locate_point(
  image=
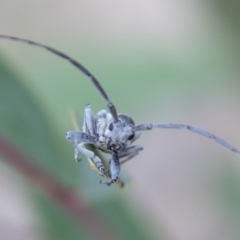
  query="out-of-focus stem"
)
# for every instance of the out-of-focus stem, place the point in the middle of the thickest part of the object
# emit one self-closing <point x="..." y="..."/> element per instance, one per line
<point x="71" y="201"/>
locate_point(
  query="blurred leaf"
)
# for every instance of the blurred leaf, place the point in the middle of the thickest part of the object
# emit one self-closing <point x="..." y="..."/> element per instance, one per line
<point x="23" y="122"/>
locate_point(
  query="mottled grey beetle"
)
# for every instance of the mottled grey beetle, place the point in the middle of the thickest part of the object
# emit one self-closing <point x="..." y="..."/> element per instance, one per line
<point x="109" y="131"/>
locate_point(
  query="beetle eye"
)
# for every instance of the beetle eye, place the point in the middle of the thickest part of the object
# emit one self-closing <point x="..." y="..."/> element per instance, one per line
<point x="131" y="137"/>
<point x="110" y="127"/>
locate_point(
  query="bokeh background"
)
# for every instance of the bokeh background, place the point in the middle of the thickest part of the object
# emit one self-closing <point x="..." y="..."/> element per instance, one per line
<point x="159" y="61"/>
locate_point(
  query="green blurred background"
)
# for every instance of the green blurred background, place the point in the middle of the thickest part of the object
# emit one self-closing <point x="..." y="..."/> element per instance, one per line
<point x="176" y="61"/>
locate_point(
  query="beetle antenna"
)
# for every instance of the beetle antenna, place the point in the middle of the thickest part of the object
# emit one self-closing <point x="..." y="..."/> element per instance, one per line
<point x="149" y="126"/>
<point x="75" y="63"/>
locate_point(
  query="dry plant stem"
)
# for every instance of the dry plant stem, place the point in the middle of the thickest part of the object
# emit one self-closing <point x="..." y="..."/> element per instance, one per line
<point x="71" y="201"/>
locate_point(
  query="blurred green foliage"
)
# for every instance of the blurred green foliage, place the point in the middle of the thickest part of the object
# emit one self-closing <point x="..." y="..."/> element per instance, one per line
<point x="24" y="122"/>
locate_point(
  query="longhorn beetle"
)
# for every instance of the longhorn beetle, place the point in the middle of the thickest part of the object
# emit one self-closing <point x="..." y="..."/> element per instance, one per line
<point x="109" y="131"/>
